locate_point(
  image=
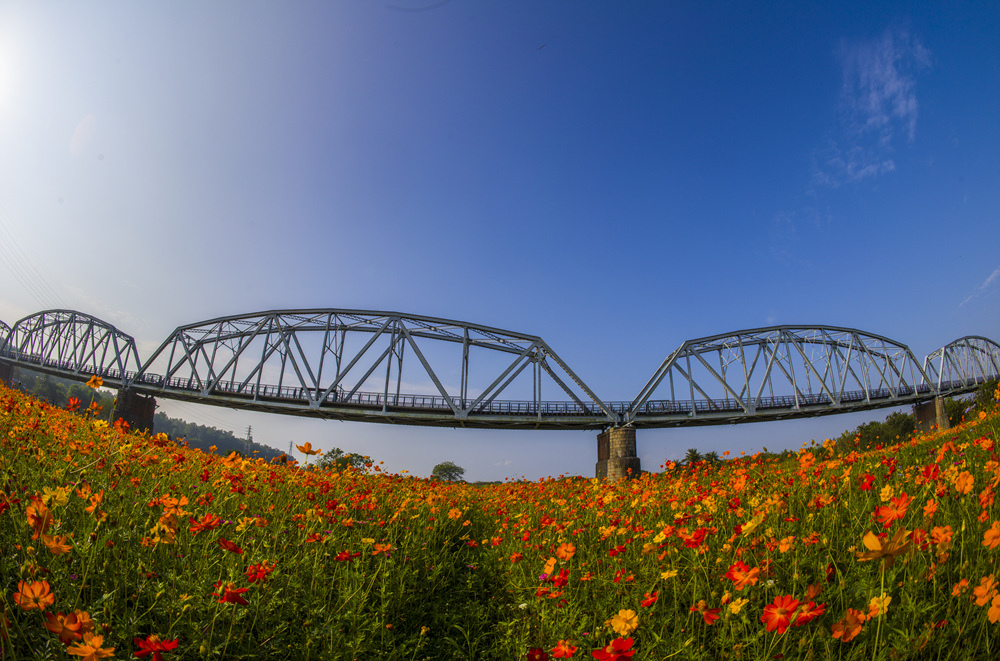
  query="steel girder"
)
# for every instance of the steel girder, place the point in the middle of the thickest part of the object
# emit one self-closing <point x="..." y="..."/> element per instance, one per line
<point x="71" y="344"/>
<point x="353" y="364"/>
<point x="778" y="372"/>
<point x="4" y="332"/>
<point x="963" y="364"/>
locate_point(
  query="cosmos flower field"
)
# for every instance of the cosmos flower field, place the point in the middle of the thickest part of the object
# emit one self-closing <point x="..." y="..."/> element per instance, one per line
<point x="114" y="545"/>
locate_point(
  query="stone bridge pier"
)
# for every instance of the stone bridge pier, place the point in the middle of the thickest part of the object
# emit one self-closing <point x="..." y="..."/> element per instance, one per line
<point x="135" y="409"/>
<point x="5" y="373"/>
<point x="616" y="454"/>
<point x="929" y="414"/>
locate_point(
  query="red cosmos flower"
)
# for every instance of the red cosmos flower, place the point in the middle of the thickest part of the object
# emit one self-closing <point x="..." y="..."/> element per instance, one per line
<point x="866" y="482"/>
<point x="315" y="537"/>
<point x="809" y="612"/>
<point x="227" y="545"/>
<point x="563" y="650"/>
<point x="742" y="575"/>
<point x="894" y="511"/>
<point x="710" y="615"/>
<point x="230" y="594"/>
<point x="346" y="556"/>
<point x="153" y="645"/>
<point x="649" y="600"/>
<point x="258" y="573"/>
<point x="779" y="614"/>
<point x="617" y="650"/>
<point x="537" y="654"/>
<point x="561" y="579"/>
<point x="208" y="522"/>
<point x="74" y="404"/>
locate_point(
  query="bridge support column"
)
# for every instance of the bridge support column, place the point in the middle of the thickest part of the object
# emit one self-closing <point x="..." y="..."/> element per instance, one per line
<point x="929" y="414"/>
<point x="5" y="373"/>
<point x="135" y="409"/>
<point x="616" y="454"/>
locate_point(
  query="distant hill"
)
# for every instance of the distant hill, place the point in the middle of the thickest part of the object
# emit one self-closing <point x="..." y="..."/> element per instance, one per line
<point x="57" y="392"/>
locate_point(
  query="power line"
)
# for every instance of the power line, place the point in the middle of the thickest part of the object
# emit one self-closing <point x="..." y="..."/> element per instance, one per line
<point x="24" y="269"/>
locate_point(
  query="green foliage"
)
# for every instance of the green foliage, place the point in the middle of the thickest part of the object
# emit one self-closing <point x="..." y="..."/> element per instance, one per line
<point x="896" y="427"/>
<point x="985" y="397"/>
<point x="339" y="460"/>
<point x="203" y="438"/>
<point x="57" y="391"/>
<point x="447" y="471"/>
<point x="692" y="456"/>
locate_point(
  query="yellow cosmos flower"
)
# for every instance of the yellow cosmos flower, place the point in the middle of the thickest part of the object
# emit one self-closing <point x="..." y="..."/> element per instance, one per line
<point x="625" y="622"/>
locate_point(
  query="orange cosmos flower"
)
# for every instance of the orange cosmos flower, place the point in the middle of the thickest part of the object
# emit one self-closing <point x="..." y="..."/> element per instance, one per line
<point x="964" y="482"/>
<point x="985" y="591"/>
<point x="991" y="539"/>
<point x="960" y="588"/>
<point x="307" y="449"/>
<point x="57" y="544"/>
<point x="95" y="382"/>
<point x="39" y="517"/>
<point x="565" y="551"/>
<point x="73" y="404"/>
<point x="941" y="537"/>
<point x="69" y="628"/>
<point x="90" y="649"/>
<point x="778" y="615"/>
<point x="36" y="594"/>
<point x="994" y="612"/>
<point x="742" y="575"/>
<point x="850" y="626"/>
<point x="208" y="522"/>
<point x="888" y="551"/>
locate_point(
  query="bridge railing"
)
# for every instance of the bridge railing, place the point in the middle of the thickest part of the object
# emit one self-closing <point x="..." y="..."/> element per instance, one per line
<point x="496" y="407"/>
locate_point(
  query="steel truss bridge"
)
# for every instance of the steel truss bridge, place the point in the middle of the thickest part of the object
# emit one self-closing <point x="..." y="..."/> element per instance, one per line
<point x="396" y="368"/>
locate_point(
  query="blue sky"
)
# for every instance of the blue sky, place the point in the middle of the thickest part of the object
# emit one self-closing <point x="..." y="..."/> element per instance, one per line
<point x="614" y="177"/>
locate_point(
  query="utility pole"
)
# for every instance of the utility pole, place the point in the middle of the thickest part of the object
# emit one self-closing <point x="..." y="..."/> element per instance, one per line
<point x="247" y="441"/>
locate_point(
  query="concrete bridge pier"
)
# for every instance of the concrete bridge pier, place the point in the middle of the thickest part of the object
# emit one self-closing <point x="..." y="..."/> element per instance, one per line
<point x="929" y="414"/>
<point x="616" y="454"/>
<point x="135" y="409"/>
<point x="5" y="373"/>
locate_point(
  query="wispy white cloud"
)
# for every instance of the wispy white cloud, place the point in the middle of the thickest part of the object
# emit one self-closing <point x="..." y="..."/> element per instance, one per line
<point x="878" y="107"/>
<point x="983" y="287"/>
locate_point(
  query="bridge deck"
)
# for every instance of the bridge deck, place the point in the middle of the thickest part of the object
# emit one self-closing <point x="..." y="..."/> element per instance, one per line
<point x="433" y="410"/>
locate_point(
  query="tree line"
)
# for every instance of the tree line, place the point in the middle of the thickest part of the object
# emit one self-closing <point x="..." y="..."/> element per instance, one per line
<point x="58" y="391"/>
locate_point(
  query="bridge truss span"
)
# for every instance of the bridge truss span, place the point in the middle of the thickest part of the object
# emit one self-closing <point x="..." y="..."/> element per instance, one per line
<point x="964" y="364"/>
<point x="71" y="344"/>
<point x="375" y="367"/>
<point x="778" y="372"/>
